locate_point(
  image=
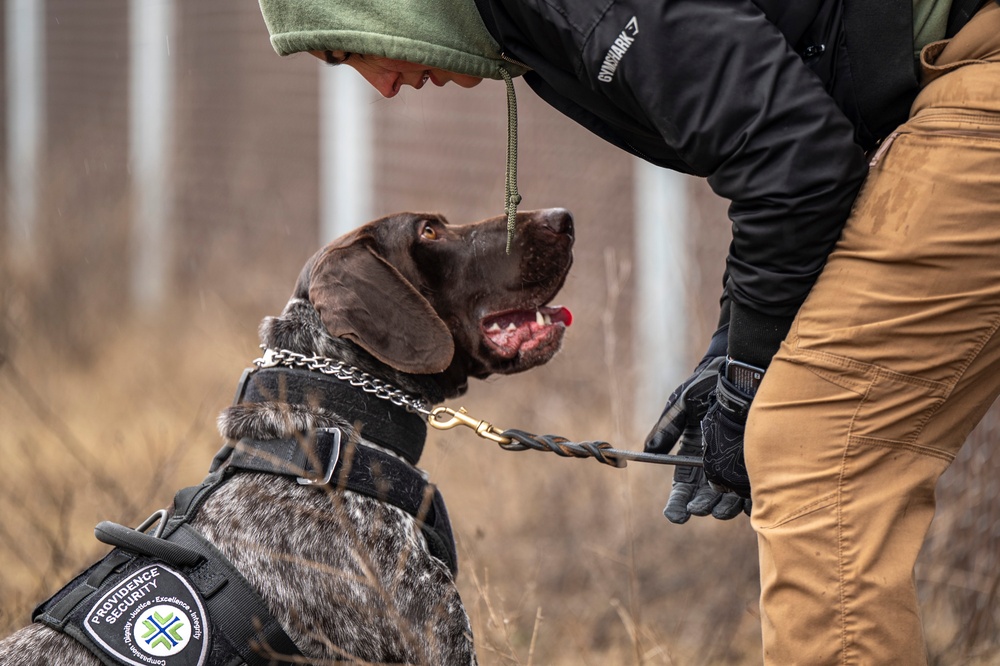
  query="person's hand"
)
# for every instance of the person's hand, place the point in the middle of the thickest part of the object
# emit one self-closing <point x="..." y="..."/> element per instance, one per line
<point x="723" y="426"/>
<point x="691" y="495"/>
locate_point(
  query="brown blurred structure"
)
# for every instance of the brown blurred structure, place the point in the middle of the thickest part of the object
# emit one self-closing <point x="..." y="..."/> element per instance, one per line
<point x="245" y="215"/>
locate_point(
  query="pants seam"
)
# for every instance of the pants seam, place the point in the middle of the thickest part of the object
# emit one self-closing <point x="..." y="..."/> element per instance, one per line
<point x="844" y="638"/>
<point x="984" y="125"/>
<point x="825" y="501"/>
<point x="969" y="358"/>
<point x="880" y="372"/>
<point x="978" y="117"/>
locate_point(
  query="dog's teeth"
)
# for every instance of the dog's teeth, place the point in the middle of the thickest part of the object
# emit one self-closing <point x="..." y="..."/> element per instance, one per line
<point x="540" y="318"/>
<point x="494" y="327"/>
<point x="548" y="320"/>
<point x="511" y="327"/>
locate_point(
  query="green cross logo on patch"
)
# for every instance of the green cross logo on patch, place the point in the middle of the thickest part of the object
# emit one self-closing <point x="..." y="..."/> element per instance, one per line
<point x="162" y="630"/>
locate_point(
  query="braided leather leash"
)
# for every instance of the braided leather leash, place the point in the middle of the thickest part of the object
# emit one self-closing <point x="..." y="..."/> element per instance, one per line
<point x="519" y="440"/>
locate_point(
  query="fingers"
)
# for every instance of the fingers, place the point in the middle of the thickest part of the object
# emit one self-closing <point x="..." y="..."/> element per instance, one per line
<point x="704" y="500"/>
<point x="694" y="498"/>
<point x="690" y="499"/>
<point x="730" y="505"/>
<point x="676" y="510"/>
<point x="692" y="495"/>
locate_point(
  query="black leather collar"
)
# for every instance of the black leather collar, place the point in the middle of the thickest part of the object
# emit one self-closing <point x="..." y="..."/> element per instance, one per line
<point x="327" y="457"/>
<point x="379" y="421"/>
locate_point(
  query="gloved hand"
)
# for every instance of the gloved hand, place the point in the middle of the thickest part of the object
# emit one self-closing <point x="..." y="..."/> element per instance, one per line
<point x="722" y="428"/>
<point x="691" y="494"/>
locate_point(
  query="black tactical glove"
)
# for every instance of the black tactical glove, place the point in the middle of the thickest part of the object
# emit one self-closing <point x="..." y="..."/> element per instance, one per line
<point x="724" y="424"/>
<point x="691" y="494"/>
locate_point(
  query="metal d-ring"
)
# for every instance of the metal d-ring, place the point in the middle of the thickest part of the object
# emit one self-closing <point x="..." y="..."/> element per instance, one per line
<point x="158" y="516"/>
<point x="331" y="463"/>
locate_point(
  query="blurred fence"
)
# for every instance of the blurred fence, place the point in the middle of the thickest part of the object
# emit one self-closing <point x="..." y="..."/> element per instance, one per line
<point x="244" y="211"/>
<point x="239" y="170"/>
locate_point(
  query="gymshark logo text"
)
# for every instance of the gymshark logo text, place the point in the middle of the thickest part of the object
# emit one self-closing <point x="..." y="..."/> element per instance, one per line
<point x="618" y="50"/>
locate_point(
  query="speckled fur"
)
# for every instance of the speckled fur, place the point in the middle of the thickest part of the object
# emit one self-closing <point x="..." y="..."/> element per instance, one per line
<point x="348" y="577"/>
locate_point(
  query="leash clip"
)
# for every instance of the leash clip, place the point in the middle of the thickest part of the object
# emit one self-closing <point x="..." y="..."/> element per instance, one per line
<point x="270" y="359"/>
<point x="462" y="418"/>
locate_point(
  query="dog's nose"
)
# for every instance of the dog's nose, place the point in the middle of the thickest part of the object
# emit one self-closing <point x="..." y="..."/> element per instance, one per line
<point x="558" y="220"/>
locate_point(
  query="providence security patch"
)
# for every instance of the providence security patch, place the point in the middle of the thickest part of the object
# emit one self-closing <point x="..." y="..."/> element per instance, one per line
<point x="151" y="617"/>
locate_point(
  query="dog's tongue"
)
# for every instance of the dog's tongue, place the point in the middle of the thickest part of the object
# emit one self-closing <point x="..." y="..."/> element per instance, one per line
<point x="522" y="330"/>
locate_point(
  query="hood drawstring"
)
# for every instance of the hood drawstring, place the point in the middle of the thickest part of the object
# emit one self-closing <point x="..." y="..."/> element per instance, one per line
<point x="511" y="197"/>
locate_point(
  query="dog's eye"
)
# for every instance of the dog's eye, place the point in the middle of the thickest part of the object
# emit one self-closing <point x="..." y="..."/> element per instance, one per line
<point x="429" y="232"/>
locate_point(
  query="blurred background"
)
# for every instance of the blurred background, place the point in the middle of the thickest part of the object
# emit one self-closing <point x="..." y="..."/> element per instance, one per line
<point x="166" y="175"/>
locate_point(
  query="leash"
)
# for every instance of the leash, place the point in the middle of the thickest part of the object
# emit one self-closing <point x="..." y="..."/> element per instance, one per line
<point x="446" y="418"/>
<point x="519" y="440"/>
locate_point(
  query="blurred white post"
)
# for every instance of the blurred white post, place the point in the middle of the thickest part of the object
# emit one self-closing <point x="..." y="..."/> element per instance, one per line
<point x="25" y="56"/>
<point x="346" y="179"/>
<point x="661" y="308"/>
<point x="150" y="140"/>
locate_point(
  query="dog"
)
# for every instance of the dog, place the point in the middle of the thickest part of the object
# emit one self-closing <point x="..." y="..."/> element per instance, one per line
<point x="412" y="308"/>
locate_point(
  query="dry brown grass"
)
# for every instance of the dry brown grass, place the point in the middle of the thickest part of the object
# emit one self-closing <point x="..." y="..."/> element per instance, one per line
<point x="562" y="561"/>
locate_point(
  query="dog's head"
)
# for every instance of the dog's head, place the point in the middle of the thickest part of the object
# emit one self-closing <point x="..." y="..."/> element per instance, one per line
<point x="429" y="299"/>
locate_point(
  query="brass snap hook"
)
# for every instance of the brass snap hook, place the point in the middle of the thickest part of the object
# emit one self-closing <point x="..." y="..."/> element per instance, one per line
<point x="462" y="418"/>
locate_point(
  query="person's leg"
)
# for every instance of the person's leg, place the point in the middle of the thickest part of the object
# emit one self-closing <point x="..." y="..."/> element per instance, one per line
<point x="892" y="360"/>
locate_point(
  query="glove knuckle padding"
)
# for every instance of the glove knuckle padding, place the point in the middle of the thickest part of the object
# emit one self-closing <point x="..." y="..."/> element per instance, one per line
<point x="723" y="446"/>
<point x="723" y="428"/>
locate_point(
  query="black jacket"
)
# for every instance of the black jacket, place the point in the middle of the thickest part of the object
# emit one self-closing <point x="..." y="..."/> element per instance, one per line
<point x="773" y="101"/>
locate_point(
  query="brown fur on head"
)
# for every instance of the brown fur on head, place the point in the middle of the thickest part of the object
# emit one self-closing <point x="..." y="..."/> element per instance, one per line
<point x="412" y="296"/>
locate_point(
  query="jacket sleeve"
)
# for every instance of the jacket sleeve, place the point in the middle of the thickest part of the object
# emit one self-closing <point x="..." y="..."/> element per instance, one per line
<point x="720" y="84"/>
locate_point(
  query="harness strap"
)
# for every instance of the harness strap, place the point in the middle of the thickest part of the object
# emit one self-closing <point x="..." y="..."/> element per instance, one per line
<point x="323" y="460"/>
<point x="231" y="601"/>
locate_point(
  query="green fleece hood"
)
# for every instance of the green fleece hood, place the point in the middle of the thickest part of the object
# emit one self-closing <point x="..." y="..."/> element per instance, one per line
<point x="444" y="34"/>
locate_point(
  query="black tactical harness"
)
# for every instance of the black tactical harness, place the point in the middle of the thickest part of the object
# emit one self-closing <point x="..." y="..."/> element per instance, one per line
<point x="170" y="598"/>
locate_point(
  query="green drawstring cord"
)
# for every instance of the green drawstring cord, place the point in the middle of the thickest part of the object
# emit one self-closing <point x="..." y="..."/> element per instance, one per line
<point x="511" y="197"/>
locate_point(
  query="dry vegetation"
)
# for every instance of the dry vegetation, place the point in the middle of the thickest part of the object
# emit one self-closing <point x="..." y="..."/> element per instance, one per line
<point x="104" y="416"/>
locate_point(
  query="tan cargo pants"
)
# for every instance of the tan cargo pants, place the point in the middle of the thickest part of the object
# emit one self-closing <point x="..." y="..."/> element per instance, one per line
<point x="892" y="360"/>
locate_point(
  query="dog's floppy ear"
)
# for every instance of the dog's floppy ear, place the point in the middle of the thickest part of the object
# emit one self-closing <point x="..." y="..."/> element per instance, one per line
<point x="361" y="297"/>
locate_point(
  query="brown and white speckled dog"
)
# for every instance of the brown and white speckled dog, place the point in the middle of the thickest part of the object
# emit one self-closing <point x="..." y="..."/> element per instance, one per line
<point x="422" y="306"/>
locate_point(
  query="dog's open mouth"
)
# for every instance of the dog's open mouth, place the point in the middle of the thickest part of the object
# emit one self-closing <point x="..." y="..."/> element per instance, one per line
<point x="530" y="333"/>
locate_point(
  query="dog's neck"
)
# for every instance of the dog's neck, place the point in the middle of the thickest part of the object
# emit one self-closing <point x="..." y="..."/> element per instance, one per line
<point x="299" y="329"/>
<point x="283" y="402"/>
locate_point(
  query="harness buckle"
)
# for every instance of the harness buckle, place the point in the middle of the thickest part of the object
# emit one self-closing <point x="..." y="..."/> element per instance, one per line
<point x="331" y="463"/>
